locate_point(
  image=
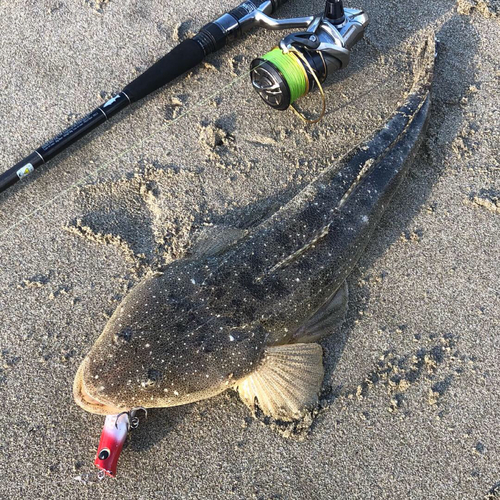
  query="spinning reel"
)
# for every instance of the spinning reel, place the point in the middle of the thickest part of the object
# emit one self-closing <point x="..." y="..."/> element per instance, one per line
<point x="303" y="60"/>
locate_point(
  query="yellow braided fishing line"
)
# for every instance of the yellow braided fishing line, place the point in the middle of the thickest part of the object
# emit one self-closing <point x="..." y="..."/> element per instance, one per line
<point x="292" y="70"/>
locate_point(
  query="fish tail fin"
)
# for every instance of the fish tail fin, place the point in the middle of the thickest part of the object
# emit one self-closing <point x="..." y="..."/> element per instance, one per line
<point x="286" y="383"/>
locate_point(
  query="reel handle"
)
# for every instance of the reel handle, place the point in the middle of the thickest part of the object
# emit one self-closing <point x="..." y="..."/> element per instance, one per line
<point x="334" y="11"/>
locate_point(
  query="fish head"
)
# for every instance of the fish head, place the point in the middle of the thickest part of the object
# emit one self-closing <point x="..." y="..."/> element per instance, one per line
<point x="161" y="349"/>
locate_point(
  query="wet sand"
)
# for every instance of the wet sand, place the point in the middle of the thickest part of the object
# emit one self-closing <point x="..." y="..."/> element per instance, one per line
<point x="409" y="407"/>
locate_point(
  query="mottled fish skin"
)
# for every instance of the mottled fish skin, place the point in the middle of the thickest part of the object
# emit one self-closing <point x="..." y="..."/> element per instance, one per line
<point x="194" y="330"/>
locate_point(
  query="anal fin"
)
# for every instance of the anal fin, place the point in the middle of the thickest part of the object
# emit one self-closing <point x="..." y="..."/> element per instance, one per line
<point x="326" y="319"/>
<point x="286" y="383"/>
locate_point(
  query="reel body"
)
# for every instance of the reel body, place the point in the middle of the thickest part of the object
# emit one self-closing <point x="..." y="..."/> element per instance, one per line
<point x="304" y="59"/>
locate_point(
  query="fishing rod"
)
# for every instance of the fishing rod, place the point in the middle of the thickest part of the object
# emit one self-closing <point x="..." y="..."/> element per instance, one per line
<point x="301" y="63"/>
<point x="184" y="57"/>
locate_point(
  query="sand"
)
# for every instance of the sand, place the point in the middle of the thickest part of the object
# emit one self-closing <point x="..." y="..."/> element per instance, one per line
<point x="409" y="407"/>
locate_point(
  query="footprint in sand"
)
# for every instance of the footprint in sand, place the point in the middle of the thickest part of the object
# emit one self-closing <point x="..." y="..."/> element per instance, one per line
<point x="142" y="215"/>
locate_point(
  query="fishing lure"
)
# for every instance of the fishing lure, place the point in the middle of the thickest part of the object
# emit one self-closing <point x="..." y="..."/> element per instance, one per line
<point x="113" y="436"/>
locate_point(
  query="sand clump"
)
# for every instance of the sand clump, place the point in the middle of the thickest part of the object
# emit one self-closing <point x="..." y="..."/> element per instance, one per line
<point x="486" y="199"/>
<point x="486" y="8"/>
<point x="437" y="365"/>
<point x="97" y="5"/>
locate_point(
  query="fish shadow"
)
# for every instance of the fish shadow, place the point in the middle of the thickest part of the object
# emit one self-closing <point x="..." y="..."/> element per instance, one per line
<point x="446" y="117"/>
<point x="424" y="172"/>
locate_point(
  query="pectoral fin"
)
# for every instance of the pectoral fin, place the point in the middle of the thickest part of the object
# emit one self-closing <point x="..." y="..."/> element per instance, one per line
<point x="286" y="383"/>
<point x="324" y="321"/>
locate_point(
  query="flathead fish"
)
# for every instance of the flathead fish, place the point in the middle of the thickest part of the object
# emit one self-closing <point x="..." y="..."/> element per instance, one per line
<point x="247" y="308"/>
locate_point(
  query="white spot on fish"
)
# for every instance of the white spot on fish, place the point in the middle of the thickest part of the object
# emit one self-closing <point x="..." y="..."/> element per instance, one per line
<point x="231" y="338"/>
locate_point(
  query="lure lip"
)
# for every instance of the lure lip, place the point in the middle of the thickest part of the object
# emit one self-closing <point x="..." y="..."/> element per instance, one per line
<point x="90" y="403"/>
<point x="114" y="433"/>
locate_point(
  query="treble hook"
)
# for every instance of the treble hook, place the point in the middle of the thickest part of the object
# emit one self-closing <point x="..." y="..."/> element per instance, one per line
<point x="133" y="419"/>
<point x="118" y="418"/>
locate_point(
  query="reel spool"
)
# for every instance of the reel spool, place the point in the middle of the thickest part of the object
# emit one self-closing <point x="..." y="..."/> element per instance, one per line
<point x="304" y="60"/>
<point x="281" y="78"/>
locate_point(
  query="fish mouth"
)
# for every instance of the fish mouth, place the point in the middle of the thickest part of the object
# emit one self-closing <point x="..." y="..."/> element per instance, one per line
<point x="88" y="402"/>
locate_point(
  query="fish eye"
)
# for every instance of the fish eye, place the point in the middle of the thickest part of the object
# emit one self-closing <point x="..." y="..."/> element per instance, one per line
<point x="104" y="454"/>
<point x="124" y="336"/>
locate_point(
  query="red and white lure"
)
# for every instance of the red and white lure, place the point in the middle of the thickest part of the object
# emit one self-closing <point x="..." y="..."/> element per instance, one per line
<point x="114" y="433"/>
